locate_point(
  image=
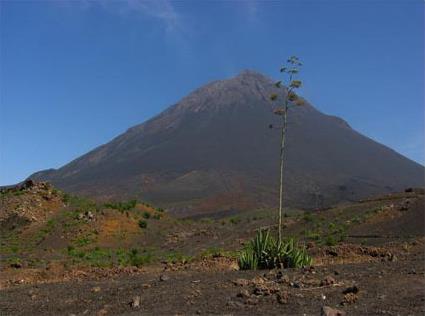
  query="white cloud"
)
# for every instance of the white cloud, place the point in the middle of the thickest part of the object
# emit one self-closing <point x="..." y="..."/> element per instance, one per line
<point x="161" y="10"/>
<point x="251" y="9"/>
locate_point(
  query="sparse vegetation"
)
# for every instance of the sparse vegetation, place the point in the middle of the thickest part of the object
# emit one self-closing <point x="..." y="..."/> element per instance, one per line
<point x="329" y="235"/>
<point x="234" y="220"/>
<point x="308" y="217"/>
<point x="100" y="257"/>
<point x="121" y="206"/>
<point x="80" y="203"/>
<point x="146" y="215"/>
<point x="177" y="257"/>
<point x="143" y="224"/>
<point x="134" y="258"/>
<point x="45" y="231"/>
<point x="213" y="252"/>
<point x="207" y="220"/>
<point x="265" y="252"/>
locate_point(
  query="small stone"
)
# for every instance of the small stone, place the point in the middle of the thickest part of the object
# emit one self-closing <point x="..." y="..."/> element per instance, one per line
<point x="102" y="312"/>
<point x="282" y="297"/>
<point x="261" y="290"/>
<point x="327" y="281"/>
<point x="258" y="280"/>
<point x="135" y="302"/>
<point x="252" y="301"/>
<point x="241" y="282"/>
<point x="284" y="279"/>
<point x="349" y="298"/>
<point x="95" y="289"/>
<point x="234" y="304"/>
<point x="243" y="294"/>
<point x="164" y="278"/>
<point x="329" y="311"/>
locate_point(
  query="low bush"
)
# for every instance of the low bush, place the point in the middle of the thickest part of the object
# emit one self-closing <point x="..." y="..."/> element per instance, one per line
<point x="102" y="257"/>
<point x="265" y="252"/>
<point x="213" y="252"/>
<point x="234" y="220"/>
<point x="135" y="259"/>
<point x="177" y="257"/>
<point x="143" y="224"/>
<point x="121" y="206"/>
<point x="146" y="215"/>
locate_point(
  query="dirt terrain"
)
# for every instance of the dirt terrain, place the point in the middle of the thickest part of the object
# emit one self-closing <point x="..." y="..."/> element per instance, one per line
<point x="368" y="260"/>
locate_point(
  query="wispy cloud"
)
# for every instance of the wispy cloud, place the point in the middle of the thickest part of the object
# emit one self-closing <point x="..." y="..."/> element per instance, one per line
<point x="161" y="10"/>
<point x="251" y="9"/>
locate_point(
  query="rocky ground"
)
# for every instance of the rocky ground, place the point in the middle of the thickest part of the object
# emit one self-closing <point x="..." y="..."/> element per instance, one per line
<point x="368" y="260"/>
<point x="383" y="286"/>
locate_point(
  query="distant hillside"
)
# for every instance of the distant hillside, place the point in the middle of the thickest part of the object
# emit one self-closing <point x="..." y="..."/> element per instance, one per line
<point x="213" y="151"/>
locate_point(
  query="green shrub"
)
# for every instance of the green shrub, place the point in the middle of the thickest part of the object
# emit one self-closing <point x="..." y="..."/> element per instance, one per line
<point x="137" y="260"/>
<point x="265" y="252"/>
<point x="308" y="217"/>
<point x="121" y="206"/>
<point x="235" y="220"/>
<point x="207" y="220"/>
<point x="157" y="216"/>
<point x="146" y="215"/>
<point x="330" y="240"/>
<point x="213" y="252"/>
<point x="177" y="257"/>
<point x="65" y="198"/>
<point x="143" y="224"/>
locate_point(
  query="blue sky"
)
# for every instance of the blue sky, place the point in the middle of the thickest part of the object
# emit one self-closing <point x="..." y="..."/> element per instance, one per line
<point x="75" y="74"/>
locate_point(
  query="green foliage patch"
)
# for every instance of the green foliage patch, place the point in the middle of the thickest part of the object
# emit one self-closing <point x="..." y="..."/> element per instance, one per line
<point x="143" y="224"/>
<point x="177" y="257"/>
<point x="265" y="252"/>
<point x="100" y="257"/>
<point x="121" y="206"/>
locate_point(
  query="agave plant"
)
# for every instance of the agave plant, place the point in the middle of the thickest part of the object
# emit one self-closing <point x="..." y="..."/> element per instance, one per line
<point x="265" y="252"/>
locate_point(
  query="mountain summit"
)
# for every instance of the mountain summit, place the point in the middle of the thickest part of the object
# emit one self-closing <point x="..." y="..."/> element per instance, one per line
<point x="213" y="151"/>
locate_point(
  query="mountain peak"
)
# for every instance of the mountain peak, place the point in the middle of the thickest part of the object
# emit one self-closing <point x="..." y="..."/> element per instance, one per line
<point x="249" y="74"/>
<point x="213" y="151"/>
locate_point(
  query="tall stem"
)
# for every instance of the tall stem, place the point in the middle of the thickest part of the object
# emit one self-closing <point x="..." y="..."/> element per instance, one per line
<point x="282" y="156"/>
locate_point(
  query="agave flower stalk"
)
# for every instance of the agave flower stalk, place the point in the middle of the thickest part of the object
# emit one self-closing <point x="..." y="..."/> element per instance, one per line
<point x="290" y="98"/>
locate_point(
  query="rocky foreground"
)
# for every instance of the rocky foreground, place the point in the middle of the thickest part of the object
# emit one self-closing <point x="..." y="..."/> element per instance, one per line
<point x="64" y="255"/>
<point x="374" y="283"/>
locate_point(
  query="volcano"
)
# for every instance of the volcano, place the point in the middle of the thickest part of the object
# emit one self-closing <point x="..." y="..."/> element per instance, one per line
<point x="214" y="151"/>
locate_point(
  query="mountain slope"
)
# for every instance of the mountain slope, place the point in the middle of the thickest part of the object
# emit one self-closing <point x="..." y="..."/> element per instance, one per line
<point x="213" y="151"/>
